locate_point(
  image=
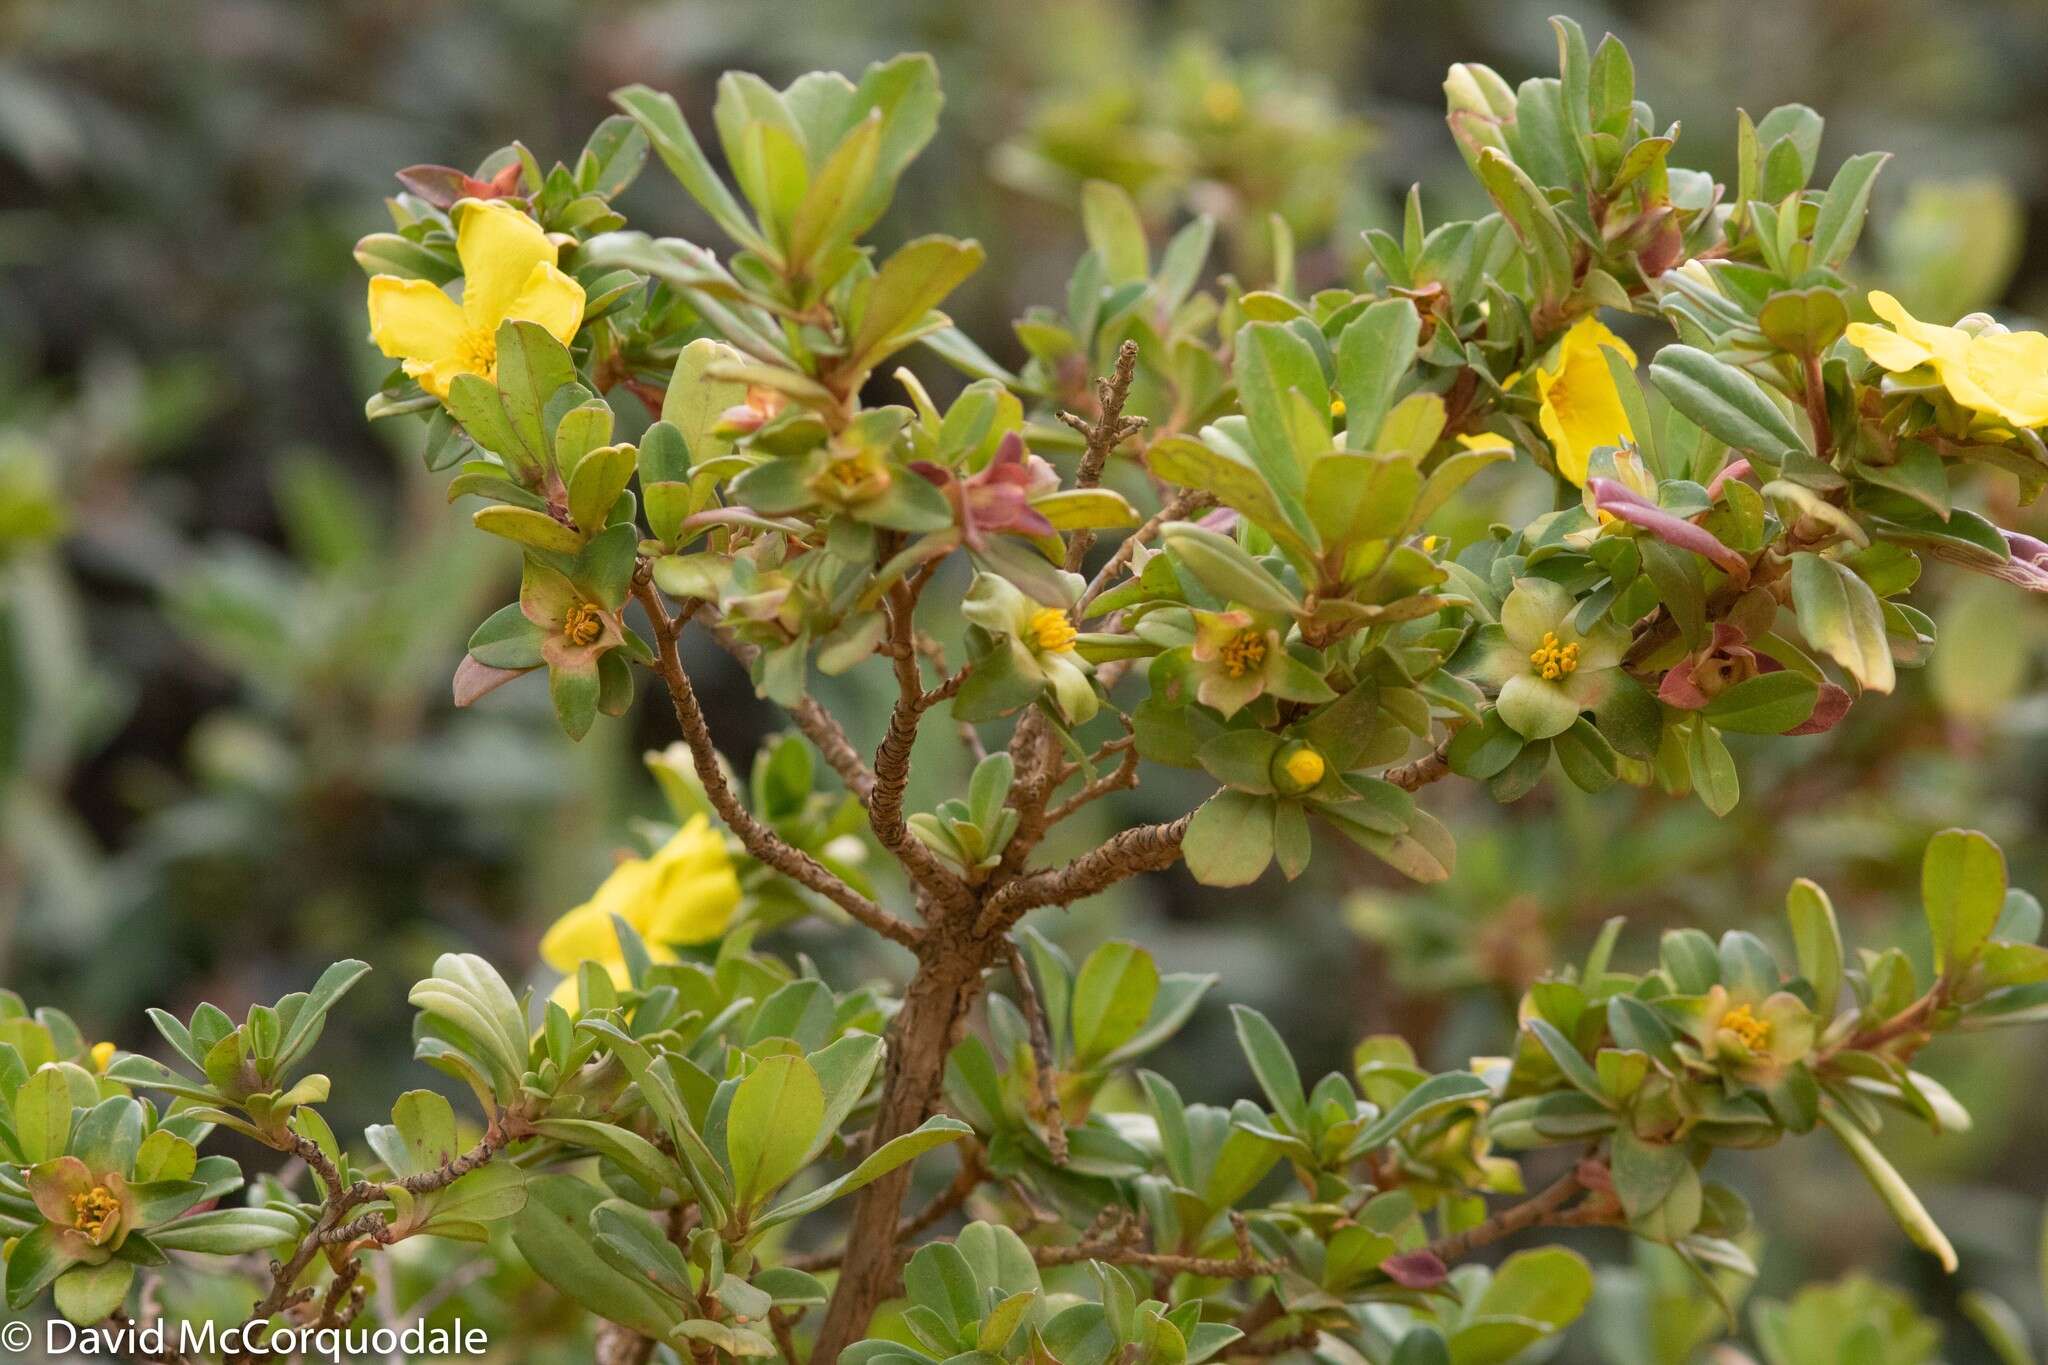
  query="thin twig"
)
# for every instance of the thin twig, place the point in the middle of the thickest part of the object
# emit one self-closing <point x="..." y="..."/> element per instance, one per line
<point x="762" y="842"/>
<point x="1049" y="1114"/>
<point x="1146" y="848"/>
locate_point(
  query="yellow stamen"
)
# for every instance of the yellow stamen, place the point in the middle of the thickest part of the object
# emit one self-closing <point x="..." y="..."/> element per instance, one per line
<point x="1753" y="1032"/>
<point x="93" y="1210"/>
<point x="1552" y="661"/>
<point x="1245" y="653"/>
<point x="1305" y="766"/>
<point x="477" y="353"/>
<point x="1051" y="631"/>
<point x="583" y="625"/>
<point x="1336" y="407"/>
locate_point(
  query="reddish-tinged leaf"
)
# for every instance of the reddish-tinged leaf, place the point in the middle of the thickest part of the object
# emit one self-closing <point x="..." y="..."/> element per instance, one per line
<point x="473" y="679"/>
<point x="1735" y="470"/>
<point x="1415" y="1269"/>
<point x="1617" y="500"/>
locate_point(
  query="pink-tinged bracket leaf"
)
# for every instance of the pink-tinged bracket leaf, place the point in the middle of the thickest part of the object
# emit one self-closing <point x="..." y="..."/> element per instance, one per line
<point x="1735" y="470"/>
<point x="473" y="679"/>
<point x="443" y="186"/>
<point x="1415" y="1269"/>
<point x="1622" y="503"/>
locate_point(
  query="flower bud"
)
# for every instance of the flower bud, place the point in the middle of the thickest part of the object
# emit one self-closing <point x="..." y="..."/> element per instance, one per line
<point x="1297" y="768"/>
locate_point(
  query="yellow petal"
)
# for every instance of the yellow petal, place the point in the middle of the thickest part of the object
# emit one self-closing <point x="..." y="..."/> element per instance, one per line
<point x="551" y="299"/>
<point x="2011" y="369"/>
<point x="1933" y="336"/>
<point x="498" y="246"/>
<point x="1888" y="348"/>
<point x="414" y="320"/>
<point x="1485" y="440"/>
<point x="587" y="932"/>
<point x="1588" y="334"/>
<point x="697" y="890"/>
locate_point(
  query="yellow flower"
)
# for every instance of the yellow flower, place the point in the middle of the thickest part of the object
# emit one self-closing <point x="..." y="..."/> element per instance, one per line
<point x="1582" y="408"/>
<point x="685" y="893"/>
<point x="508" y="273"/>
<point x="2004" y="374"/>
<point x="102" y="1056"/>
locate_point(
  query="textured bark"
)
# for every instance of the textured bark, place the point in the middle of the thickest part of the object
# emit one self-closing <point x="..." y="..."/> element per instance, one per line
<point x="948" y="980"/>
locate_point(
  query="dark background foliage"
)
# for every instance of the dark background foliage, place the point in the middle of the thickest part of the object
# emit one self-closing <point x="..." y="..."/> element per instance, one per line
<point x="230" y="606"/>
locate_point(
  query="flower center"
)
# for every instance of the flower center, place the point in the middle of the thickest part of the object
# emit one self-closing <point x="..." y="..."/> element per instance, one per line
<point x="1752" y="1031"/>
<point x="1051" y="631"/>
<point x="93" y="1210"/>
<point x="1552" y="660"/>
<point x="1245" y="652"/>
<point x="477" y="353"/>
<point x="583" y="625"/>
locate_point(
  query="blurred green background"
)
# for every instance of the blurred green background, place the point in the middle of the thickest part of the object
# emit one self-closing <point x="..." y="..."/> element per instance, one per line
<point x="229" y="607"/>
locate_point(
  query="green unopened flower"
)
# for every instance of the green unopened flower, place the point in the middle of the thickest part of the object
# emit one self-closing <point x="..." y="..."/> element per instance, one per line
<point x="1547" y="670"/>
<point x="1040" y="642"/>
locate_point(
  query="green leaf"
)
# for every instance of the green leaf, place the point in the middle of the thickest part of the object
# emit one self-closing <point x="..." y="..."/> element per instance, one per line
<point x="933" y="1132"/>
<point x="666" y="128"/>
<point x="1535" y="222"/>
<point x="42" y="1116"/>
<point x="1898" y="1196"/>
<point x="1226" y="569"/>
<point x="553" y="1233"/>
<point x="1433" y="1096"/>
<point x="1841" y="216"/>
<point x="1962" y="885"/>
<point x="1768" y="704"/>
<point x="525" y="526"/>
<point x="1725" y="402"/>
<point x="775" y="1115"/>
<point x="1817" y="941"/>
<point x="892" y="304"/>
<point x="595" y="486"/>
<point x="1840" y="616"/>
<point x="1113" y="997"/>
<point x="228" y="1232"/>
<point x="1374" y="354"/>
<point x="1569" y="1059"/>
<point x="1115" y="232"/>
<point x="1230" y="840"/>
<point x="1286" y="402"/>
<point x="88" y="1294"/>
<point x="1188" y="463"/>
<point x="1360" y="497"/>
<point x="1272" y="1065"/>
<point x="1586" y="756"/>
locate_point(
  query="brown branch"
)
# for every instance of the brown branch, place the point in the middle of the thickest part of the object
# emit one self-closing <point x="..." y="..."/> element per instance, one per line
<point x="1146" y="848"/>
<point x="1049" y="1112"/>
<point x="1179" y="507"/>
<point x="760" y="841"/>
<point x="1543" y="1209"/>
<point x="1431" y="767"/>
<point x="813" y="721"/>
<point x="1120" y="778"/>
<point x="1109" y="430"/>
<point x="892" y="757"/>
